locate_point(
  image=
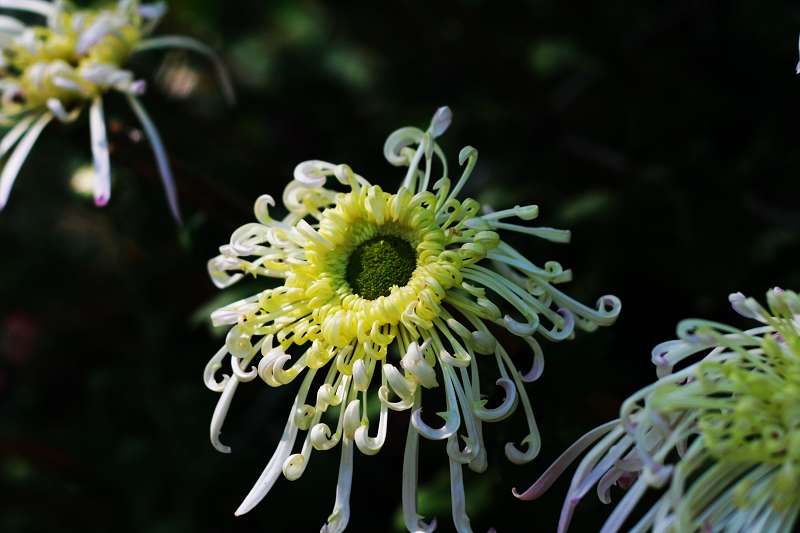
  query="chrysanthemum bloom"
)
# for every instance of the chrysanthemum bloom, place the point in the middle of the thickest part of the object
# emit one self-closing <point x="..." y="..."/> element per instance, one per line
<point x="720" y="436"/>
<point x="53" y="71"/>
<point x="388" y="287"/>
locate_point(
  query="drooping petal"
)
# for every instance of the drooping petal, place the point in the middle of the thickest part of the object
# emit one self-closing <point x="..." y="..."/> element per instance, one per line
<point x="275" y="466"/>
<point x="13" y="135"/>
<point x="102" y="163"/>
<point x="220" y="411"/>
<point x="561" y="464"/>
<point x="337" y="521"/>
<point x="14" y="163"/>
<point x="459" y="499"/>
<point x="413" y="520"/>
<point x="160" y="155"/>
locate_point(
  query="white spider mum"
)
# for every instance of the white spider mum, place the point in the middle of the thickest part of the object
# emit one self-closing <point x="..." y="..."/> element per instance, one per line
<point x="721" y="436"/>
<point x="396" y="288"/>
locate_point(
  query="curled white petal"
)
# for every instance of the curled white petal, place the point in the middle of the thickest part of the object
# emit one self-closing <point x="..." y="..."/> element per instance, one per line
<point x="402" y="405"/>
<point x="517" y="457"/>
<point x="238" y="342"/>
<point x="218" y="267"/>
<point x="326" y="396"/>
<point x="538" y="362"/>
<point x="504" y="409"/>
<point x="522" y="329"/>
<point x="566" y="330"/>
<point x="304" y="416"/>
<point x="266" y="367"/>
<point x="369" y="445"/>
<point x="311" y="173"/>
<point x="220" y="411"/>
<point x="465" y="456"/>
<point x="211" y="369"/>
<point x="360" y="379"/>
<point x="240" y="374"/>
<point x="401" y="386"/>
<point x="352" y="419"/>
<point x="279" y="374"/>
<point x="248" y="239"/>
<point x="461" y="360"/>
<point x="294" y="466"/>
<point x="58" y="109"/>
<point x="452" y="421"/>
<point x="261" y="208"/>
<point x="397" y="141"/>
<point x="416" y="364"/>
<point x="321" y="437"/>
<point x="230" y="314"/>
<point x="483" y="342"/>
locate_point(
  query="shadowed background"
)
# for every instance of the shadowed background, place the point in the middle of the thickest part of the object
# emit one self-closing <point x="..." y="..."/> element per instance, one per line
<point x="663" y="134"/>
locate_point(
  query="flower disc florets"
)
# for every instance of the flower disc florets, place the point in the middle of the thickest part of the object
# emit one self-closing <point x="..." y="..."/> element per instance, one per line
<point x="378" y="265"/>
<point x="733" y="418"/>
<point x="366" y="270"/>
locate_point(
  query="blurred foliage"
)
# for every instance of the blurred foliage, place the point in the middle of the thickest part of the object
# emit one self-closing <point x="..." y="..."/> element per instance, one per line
<point x="663" y="134"/>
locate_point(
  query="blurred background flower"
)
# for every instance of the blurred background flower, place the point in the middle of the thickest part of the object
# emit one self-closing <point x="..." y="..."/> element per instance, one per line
<point x="717" y="436"/>
<point x="663" y="135"/>
<point x="54" y="67"/>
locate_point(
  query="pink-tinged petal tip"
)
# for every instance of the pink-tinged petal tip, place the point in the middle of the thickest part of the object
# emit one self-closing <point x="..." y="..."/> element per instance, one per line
<point x="138" y="87"/>
<point x="101" y="201"/>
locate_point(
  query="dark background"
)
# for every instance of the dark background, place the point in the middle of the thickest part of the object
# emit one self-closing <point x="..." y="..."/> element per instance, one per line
<point x="664" y="134"/>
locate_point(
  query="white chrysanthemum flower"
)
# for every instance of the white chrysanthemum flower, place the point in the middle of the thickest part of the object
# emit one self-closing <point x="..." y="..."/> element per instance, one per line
<point x="52" y="71"/>
<point x="395" y="288"/>
<point x="722" y="435"/>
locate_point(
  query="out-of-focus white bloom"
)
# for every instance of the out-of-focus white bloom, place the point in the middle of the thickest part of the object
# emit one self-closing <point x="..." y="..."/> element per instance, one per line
<point x="54" y="70"/>
<point x="720" y="436"/>
<point x="373" y="279"/>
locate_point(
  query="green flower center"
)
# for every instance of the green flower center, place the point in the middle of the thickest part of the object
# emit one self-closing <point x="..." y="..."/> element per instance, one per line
<point x="378" y="264"/>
